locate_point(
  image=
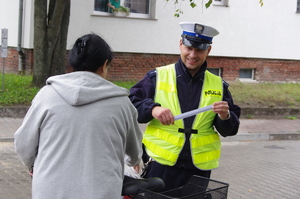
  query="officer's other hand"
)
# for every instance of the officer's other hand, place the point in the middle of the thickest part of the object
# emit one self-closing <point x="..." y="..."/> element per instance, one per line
<point x="164" y="115"/>
<point x="221" y="108"/>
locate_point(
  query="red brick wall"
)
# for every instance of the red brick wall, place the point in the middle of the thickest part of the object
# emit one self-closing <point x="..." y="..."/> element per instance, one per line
<point x="11" y="62"/>
<point x="265" y="69"/>
<point x="133" y="66"/>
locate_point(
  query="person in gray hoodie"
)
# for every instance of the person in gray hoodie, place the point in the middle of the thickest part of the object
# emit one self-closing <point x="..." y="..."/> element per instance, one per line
<point x="78" y="129"/>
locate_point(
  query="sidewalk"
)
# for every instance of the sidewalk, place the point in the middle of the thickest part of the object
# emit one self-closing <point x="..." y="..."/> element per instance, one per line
<point x="250" y="129"/>
<point x="259" y="169"/>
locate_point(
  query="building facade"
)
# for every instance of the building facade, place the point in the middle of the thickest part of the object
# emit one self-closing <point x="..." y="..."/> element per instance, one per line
<point x="256" y="43"/>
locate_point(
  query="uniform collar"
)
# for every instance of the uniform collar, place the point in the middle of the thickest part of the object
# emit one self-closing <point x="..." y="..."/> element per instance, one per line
<point x="186" y="73"/>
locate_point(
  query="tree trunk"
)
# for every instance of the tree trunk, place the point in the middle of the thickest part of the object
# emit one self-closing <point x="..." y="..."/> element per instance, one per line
<point x="50" y="39"/>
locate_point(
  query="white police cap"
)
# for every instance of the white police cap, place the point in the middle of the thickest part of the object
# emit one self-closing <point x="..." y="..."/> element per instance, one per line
<point x="197" y="35"/>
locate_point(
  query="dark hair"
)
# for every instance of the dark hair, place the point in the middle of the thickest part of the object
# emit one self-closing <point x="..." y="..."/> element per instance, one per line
<point x="89" y="53"/>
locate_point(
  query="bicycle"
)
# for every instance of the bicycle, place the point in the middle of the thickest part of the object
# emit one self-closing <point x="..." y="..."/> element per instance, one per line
<point x="196" y="188"/>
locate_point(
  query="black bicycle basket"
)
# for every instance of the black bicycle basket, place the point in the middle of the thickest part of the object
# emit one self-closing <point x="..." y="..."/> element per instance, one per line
<point x="196" y="188"/>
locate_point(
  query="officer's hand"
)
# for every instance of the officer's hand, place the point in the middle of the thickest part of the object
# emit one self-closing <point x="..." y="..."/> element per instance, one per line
<point x="164" y="115"/>
<point x="221" y="108"/>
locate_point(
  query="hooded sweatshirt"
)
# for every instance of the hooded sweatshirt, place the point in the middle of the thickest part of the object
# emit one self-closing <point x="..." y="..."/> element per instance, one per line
<point x="75" y="136"/>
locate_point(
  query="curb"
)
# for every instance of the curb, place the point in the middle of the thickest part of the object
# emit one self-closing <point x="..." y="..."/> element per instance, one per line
<point x="269" y="113"/>
<point x="247" y="112"/>
<point x="240" y="137"/>
<point x="6" y="139"/>
<point x="15" y="112"/>
<point x="248" y="137"/>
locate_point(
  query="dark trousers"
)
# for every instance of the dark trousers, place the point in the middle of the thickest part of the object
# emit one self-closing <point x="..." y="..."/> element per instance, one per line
<point x="173" y="177"/>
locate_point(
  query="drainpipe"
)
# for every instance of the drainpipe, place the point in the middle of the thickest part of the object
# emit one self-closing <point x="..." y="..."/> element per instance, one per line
<point x="20" y="34"/>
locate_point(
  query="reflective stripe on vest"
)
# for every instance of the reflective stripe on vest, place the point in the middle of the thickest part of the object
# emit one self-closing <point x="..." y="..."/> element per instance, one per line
<point x="164" y="143"/>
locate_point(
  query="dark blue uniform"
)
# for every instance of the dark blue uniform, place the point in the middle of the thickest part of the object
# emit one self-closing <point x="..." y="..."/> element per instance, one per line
<point x="189" y="91"/>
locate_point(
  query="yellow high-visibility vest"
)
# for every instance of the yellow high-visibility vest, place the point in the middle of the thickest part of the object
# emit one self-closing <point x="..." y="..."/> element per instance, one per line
<point x="164" y="143"/>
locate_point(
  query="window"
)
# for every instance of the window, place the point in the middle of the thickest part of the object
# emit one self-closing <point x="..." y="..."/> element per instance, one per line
<point x="215" y="71"/>
<point x="298" y="6"/>
<point x="138" y="8"/>
<point x="101" y="5"/>
<point x="221" y="2"/>
<point x="246" y="74"/>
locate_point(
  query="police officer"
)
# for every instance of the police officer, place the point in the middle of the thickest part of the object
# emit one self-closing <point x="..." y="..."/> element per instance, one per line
<point x="190" y="146"/>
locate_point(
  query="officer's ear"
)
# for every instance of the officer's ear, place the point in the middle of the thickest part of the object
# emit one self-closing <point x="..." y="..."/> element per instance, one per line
<point x="209" y="49"/>
<point x="180" y="42"/>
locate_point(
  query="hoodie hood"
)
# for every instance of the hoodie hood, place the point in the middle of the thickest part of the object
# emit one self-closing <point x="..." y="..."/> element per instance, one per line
<point x="79" y="88"/>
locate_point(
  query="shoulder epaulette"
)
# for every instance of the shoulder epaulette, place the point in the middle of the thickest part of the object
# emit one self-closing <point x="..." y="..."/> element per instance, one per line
<point x="152" y="73"/>
<point x="225" y="83"/>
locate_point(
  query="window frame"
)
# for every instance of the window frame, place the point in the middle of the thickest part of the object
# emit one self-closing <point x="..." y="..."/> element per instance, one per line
<point x="221" y="3"/>
<point x="219" y="71"/>
<point x="252" y="74"/>
<point x="151" y="14"/>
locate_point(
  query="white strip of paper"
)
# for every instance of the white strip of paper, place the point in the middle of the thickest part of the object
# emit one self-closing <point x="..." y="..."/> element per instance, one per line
<point x="192" y="112"/>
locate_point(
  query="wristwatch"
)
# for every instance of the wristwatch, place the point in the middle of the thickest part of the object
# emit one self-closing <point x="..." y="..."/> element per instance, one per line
<point x="227" y="118"/>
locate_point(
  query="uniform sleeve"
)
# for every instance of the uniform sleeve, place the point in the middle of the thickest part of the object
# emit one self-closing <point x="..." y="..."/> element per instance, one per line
<point x="142" y="97"/>
<point x="228" y="127"/>
<point x="26" y="138"/>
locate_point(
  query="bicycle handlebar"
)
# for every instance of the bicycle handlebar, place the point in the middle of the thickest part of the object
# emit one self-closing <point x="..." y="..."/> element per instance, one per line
<point x="132" y="185"/>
